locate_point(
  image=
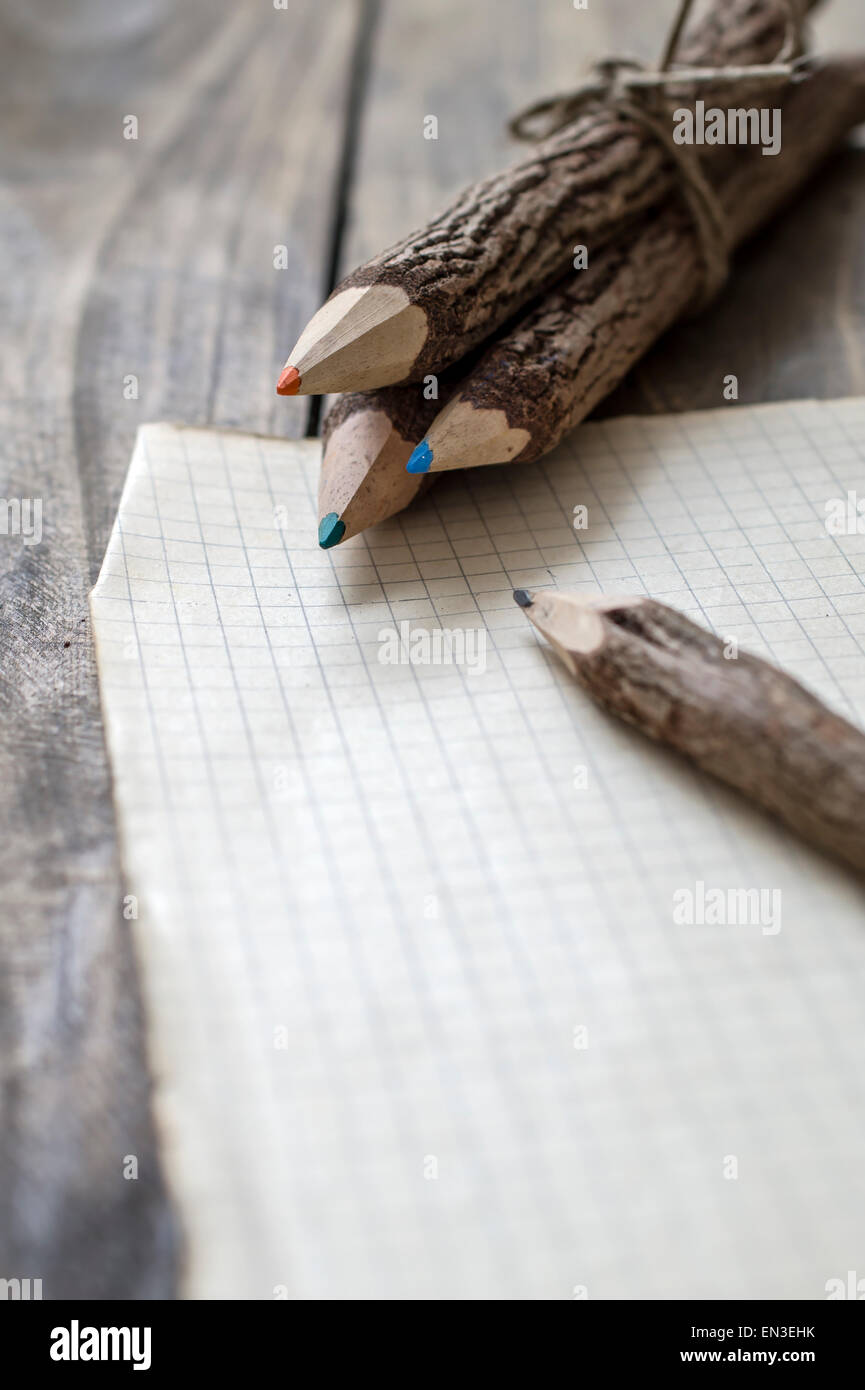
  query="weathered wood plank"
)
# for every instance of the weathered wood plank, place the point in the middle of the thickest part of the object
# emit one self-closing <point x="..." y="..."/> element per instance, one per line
<point x="471" y="67"/>
<point x="154" y="259"/>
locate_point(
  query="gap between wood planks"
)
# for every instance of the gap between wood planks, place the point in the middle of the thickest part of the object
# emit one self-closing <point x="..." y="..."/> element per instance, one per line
<point x="370" y="13"/>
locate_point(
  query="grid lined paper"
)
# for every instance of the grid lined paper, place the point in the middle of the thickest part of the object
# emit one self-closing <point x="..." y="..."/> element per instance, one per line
<point x="422" y="1022"/>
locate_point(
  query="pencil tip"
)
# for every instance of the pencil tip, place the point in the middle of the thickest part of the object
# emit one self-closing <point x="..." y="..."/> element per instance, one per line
<point x="523" y="598"/>
<point x="420" y="459"/>
<point x="289" y="382"/>
<point x="330" y="531"/>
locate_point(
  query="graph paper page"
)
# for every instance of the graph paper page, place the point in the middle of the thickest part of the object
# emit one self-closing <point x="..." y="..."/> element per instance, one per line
<point x="425" y="1019"/>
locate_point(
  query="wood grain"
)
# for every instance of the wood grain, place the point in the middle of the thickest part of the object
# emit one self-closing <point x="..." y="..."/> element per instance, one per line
<point x="481" y="63"/>
<point x="151" y="258"/>
<point x="145" y="258"/>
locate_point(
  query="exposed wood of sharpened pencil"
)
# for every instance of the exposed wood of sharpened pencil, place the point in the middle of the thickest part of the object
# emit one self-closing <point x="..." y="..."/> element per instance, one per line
<point x="425" y="302"/>
<point x="742" y="720"/>
<point x="575" y="346"/>
<point x="367" y="439"/>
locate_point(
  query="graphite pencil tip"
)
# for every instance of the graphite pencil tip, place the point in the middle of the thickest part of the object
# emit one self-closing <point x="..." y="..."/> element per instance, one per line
<point x="330" y="530"/>
<point x="421" y="458"/>
<point x="523" y="598"/>
<point x="289" y="382"/>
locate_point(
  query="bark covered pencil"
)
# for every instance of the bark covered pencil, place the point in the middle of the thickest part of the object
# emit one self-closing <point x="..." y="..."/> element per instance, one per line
<point x="422" y="304"/>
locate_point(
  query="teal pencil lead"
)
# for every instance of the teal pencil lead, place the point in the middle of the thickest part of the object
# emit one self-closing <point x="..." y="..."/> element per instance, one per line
<point x="330" y="531"/>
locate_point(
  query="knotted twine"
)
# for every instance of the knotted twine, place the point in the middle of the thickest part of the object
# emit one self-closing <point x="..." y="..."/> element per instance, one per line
<point x="627" y="86"/>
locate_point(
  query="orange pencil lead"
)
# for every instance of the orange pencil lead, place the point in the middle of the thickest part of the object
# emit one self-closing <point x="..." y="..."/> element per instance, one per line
<point x="289" y="382"/>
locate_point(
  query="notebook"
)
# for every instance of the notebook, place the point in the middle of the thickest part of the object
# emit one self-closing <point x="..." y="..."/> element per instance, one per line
<point x="426" y="1017"/>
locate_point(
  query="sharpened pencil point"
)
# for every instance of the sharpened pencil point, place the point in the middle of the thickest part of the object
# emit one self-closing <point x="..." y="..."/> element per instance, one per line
<point x="421" y="458"/>
<point x="523" y="598"/>
<point x="330" y="531"/>
<point x="289" y="382"/>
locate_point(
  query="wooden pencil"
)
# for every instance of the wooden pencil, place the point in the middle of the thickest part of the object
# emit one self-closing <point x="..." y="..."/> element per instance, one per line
<point x="367" y="439"/>
<point x="742" y="720"/>
<point x="425" y="302"/>
<point x="563" y="356"/>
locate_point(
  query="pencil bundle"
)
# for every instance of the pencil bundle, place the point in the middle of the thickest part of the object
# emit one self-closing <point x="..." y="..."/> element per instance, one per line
<point x="487" y="305"/>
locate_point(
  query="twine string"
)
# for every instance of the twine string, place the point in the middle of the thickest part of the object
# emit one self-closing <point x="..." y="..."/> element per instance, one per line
<point x="627" y="86"/>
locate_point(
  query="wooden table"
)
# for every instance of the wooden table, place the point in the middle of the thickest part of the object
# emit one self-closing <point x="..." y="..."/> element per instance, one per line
<point x="141" y="282"/>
